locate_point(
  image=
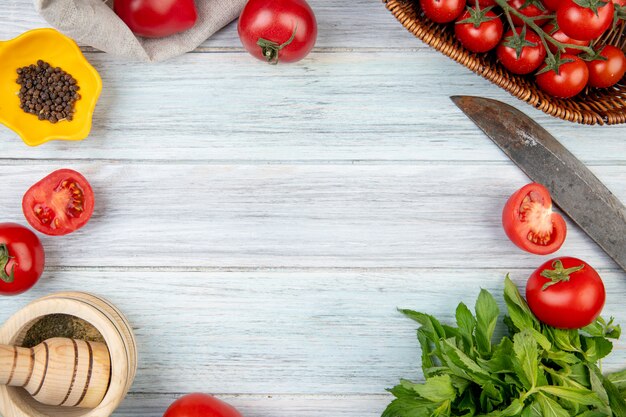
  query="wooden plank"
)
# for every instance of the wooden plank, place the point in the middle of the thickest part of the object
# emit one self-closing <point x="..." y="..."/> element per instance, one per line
<point x="316" y="332"/>
<point x="353" y="24"/>
<point x="227" y="107"/>
<point x="422" y="215"/>
<point x="142" y="405"/>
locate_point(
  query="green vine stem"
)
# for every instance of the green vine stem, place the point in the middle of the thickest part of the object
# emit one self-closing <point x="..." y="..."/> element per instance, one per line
<point x="545" y="37"/>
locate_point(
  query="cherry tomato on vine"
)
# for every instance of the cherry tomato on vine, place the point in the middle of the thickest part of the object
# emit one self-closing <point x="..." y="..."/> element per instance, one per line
<point x="442" y="11"/>
<point x="22" y="259"/>
<point x="530" y="223"/>
<point x="278" y="31"/>
<point x="566" y="293"/>
<point x="570" y="80"/>
<point x="521" y="55"/>
<point x="529" y="8"/>
<point x="606" y="73"/>
<point x="584" y="23"/>
<point x="479" y="30"/>
<point x="200" y="405"/>
<point x="60" y="203"/>
<point x="560" y="36"/>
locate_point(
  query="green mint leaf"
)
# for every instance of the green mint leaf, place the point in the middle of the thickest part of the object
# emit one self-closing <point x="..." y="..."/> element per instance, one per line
<point x="575" y="395"/>
<point x="550" y="408"/>
<point x="616" y="401"/>
<point x="526" y="352"/>
<point x="519" y="312"/>
<point x="618" y="379"/>
<point x="596" y="348"/>
<point x="409" y="407"/>
<point x="443" y="410"/>
<point x="429" y="323"/>
<point x="467" y="323"/>
<point x="567" y="340"/>
<point x="436" y="389"/>
<point x="532" y="410"/>
<point x="598" y="388"/>
<point x="463" y="366"/>
<point x="429" y="352"/>
<point x="487" y="312"/>
<point x="595" y="413"/>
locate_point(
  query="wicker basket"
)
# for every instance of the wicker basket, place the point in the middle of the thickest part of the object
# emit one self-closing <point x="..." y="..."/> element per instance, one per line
<point x="594" y="106"/>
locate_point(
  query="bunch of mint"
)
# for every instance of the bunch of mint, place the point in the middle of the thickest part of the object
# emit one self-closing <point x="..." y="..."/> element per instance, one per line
<point x="534" y="371"/>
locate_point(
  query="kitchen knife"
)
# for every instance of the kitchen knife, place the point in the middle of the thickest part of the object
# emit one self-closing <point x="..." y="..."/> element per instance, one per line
<point x="574" y="188"/>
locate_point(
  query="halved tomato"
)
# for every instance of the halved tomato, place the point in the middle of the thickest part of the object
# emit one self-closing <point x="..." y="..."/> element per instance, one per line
<point x="60" y="203"/>
<point x="530" y="223"/>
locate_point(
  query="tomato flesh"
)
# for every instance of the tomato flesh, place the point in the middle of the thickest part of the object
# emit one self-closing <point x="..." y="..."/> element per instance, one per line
<point x="60" y="203"/>
<point x="530" y="223"/>
<point x="571" y="303"/>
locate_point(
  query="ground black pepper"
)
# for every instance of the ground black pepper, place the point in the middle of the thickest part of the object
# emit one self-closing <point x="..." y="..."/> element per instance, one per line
<point x="47" y="92"/>
<point x="61" y="325"/>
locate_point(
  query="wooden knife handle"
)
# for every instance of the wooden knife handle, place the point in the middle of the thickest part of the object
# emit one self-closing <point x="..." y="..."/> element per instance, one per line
<point x="58" y="371"/>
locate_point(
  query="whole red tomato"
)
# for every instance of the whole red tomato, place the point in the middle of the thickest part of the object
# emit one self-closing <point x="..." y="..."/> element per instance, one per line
<point x="479" y="30"/>
<point x="22" y="259"/>
<point x="560" y="36"/>
<point x="157" y="18"/>
<point x="442" y="11"/>
<point x="584" y="23"/>
<point x="570" y="80"/>
<point x="606" y="73"/>
<point x="275" y="31"/>
<point x="60" y="203"/>
<point x="566" y="293"/>
<point x="530" y="48"/>
<point x="200" y="405"/>
<point x="529" y="8"/>
<point x="530" y="223"/>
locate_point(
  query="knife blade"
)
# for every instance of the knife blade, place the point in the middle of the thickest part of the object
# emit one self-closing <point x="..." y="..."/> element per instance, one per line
<point x="574" y="188"/>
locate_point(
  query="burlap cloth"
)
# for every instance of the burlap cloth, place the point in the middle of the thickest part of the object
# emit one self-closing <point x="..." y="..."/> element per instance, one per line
<point x="94" y="23"/>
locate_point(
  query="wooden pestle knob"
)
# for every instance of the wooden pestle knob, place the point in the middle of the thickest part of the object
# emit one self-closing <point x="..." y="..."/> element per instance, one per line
<point x="58" y="371"/>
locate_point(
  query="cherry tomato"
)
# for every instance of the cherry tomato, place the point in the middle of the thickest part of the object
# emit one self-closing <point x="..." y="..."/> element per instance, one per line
<point x="276" y="31"/>
<point x="531" y="8"/>
<point x="60" y="203"/>
<point x="583" y="23"/>
<point x="530" y="223"/>
<point x="442" y="11"/>
<point x="551" y="4"/>
<point x="200" y="405"/>
<point x="22" y="259"/>
<point x="607" y="73"/>
<point x="571" y="79"/>
<point x="560" y="36"/>
<point x="531" y="55"/>
<point x="157" y="18"/>
<point x="482" y="36"/>
<point x="566" y="293"/>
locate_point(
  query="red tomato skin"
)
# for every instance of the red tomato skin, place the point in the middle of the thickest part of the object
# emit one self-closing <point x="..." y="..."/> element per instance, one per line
<point x="530" y="58"/>
<point x="157" y="18"/>
<point x="483" y="38"/>
<point x="200" y="405"/>
<point x="28" y="258"/>
<point x="41" y="189"/>
<point x="551" y="4"/>
<point x="560" y="36"/>
<point x="483" y="3"/>
<point x="571" y="80"/>
<point x="275" y="21"/>
<point x="566" y="305"/>
<point x="582" y="23"/>
<point x="530" y="11"/>
<point x="442" y="11"/>
<point x="517" y="230"/>
<point x="607" y="73"/>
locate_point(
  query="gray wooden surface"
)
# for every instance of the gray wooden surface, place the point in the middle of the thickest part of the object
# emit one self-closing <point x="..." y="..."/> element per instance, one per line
<point x="259" y="225"/>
